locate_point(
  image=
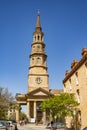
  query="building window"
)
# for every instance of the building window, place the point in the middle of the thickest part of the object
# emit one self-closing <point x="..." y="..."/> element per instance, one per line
<point x="38" y="46"/>
<point x="44" y="59"/>
<point x="70" y="86"/>
<point x="33" y="46"/>
<point x="78" y="96"/>
<point x="38" y="60"/>
<point x="32" y="60"/>
<point x="79" y="117"/>
<point x="76" y="74"/>
<point x="38" y="37"/>
<point x="64" y="87"/>
<point x="10" y="110"/>
<point x="7" y="113"/>
<point x="86" y="69"/>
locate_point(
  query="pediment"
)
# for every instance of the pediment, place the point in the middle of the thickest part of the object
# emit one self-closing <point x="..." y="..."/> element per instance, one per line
<point x="40" y="92"/>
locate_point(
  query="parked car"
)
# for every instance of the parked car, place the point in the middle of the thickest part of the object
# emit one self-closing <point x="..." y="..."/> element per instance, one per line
<point x="59" y="126"/>
<point x="4" y="125"/>
<point x="84" y="128"/>
<point x="13" y="124"/>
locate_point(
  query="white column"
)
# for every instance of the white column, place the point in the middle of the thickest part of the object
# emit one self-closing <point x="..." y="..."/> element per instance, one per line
<point x="18" y="114"/>
<point x="44" y="117"/>
<point x="35" y="112"/>
<point x="28" y="110"/>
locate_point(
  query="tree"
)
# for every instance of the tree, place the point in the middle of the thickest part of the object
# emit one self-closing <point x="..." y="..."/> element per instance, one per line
<point x="22" y="116"/>
<point x="59" y="106"/>
<point x="6" y="99"/>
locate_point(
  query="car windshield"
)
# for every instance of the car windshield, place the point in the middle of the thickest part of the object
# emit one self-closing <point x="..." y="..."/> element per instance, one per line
<point x="1" y="124"/>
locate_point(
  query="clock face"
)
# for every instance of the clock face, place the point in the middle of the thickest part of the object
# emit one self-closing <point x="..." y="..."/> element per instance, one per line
<point x="38" y="80"/>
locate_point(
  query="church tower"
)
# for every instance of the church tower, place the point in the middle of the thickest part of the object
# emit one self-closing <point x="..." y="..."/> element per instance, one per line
<point x="38" y="76"/>
<point x="38" y="79"/>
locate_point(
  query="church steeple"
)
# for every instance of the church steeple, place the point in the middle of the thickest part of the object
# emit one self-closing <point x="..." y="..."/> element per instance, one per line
<point x="38" y="25"/>
<point x="38" y="76"/>
<point x="38" y="34"/>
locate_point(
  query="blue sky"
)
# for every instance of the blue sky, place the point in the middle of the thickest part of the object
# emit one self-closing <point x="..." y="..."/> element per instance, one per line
<point x="64" y="23"/>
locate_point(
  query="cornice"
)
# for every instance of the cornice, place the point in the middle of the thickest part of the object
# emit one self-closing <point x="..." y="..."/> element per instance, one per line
<point x="38" y="43"/>
<point x="75" y="68"/>
<point x="38" y="75"/>
<point x="38" y="66"/>
<point x="38" y="53"/>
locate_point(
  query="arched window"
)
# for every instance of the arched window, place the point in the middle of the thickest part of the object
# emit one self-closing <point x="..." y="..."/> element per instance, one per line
<point x="41" y="38"/>
<point x="38" y="46"/>
<point x="32" y="60"/>
<point x="38" y="37"/>
<point x="38" y="60"/>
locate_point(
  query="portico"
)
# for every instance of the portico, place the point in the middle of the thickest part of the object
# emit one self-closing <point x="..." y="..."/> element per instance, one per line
<point x="33" y="100"/>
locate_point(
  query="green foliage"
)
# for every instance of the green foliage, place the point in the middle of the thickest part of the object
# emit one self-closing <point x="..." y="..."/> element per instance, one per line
<point x="60" y="106"/>
<point x="6" y="99"/>
<point x="12" y="116"/>
<point x="22" y="116"/>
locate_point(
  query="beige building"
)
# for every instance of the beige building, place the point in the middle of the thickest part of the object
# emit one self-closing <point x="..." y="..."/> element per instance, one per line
<point x="38" y="79"/>
<point x="75" y="82"/>
<point x="11" y="114"/>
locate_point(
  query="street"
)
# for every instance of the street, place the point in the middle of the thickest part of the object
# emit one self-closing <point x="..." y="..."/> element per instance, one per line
<point x="32" y="127"/>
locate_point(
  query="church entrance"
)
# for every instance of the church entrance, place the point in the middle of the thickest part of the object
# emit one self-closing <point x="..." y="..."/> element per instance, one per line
<point x="39" y="113"/>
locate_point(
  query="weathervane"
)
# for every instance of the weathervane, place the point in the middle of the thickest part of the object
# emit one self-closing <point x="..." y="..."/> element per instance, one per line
<point x="38" y="12"/>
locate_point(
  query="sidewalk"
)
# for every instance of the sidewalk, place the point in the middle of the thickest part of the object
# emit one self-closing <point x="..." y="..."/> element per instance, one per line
<point x="38" y="127"/>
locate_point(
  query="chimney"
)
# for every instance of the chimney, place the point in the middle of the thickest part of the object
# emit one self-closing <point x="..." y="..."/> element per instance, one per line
<point x="84" y="51"/>
<point x="74" y="63"/>
<point x="66" y="73"/>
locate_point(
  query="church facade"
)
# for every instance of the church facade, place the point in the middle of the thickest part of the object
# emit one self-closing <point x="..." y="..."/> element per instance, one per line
<point x="38" y="79"/>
